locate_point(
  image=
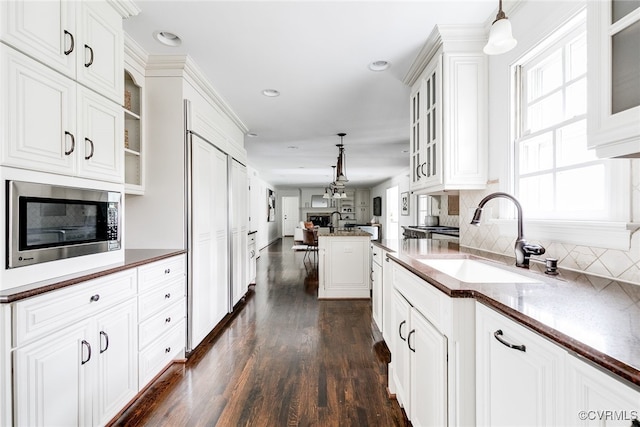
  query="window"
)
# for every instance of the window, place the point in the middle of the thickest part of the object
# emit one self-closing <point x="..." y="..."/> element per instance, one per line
<point x="556" y="176"/>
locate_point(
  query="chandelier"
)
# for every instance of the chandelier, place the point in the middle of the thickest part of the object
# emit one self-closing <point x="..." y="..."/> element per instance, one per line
<point x="336" y="188"/>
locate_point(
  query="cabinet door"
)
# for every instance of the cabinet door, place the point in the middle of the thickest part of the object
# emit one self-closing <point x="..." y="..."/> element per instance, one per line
<point x="100" y="154"/>
<point x="101" y="53"/>
<point x="117" y="361"/>
<point x="38" y="125"/>
<point x="52" y="379"/>
<point x="516" y="386"/>
<point x="598" y="399"/>
<point x="388" y="328"/>
<point x="400" y="351"/>
<point x="239" y="217"/>
<point x="42" y="29"/>
<point x="377" y="285"/>
<point x="428" y="373"/>
<point x="431" y="150"/>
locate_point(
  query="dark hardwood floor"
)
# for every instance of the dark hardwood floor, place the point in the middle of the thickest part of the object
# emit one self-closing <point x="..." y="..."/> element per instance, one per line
<point x="286" y="359"/>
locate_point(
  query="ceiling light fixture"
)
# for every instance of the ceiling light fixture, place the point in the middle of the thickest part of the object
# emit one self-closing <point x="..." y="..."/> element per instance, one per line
<point x="500" y="37"/>
<point x="379" y="65"/>
<point x="167" y="38"/>
<point x="271" y="93"/>
<point x="341" y="175"/>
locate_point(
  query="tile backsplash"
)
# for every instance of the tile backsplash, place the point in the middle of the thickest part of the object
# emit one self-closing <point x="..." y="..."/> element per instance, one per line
<point x="607" y="263"/>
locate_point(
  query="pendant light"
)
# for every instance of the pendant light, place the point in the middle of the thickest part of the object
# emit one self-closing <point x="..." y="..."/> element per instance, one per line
<point x="341" y="177"/>
<point x="500" y="37"/>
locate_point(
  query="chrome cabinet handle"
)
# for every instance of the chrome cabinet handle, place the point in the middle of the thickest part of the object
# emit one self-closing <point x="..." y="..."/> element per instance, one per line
<point x="167" y="350"/>
<point x="498" y="334"/>
<point x="409" y="340"/>
<point x="422" y="170"/>
<point x="167" y="295"/>
<point x="92" y="147"/>
<point x="167" y="271"/>
<point x="88" y="64"/>
<point x="106" y="338"/>
<point x="167" y="320"/>
<point x="94" y="298"/>
<point x="400" y="330"/>
<point x="73" y="43"/>
<point x="73" y="143"/>
<point x="418" y="172"/>
<point x="88" y="346"/>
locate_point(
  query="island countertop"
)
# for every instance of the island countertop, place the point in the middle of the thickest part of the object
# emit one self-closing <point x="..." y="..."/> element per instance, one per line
<point x="593" y="317"/>
<point x="344" y="233"/>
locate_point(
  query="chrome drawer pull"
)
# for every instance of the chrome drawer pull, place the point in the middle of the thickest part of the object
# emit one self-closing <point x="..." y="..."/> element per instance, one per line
<point x="88" y="346"/>
<point x="167" y="271"/>
<point x="73" y="43"/>
<point x="106" y="337"/>
<point x="88" y="64"/>
<point x="497" y="334"/>
<point x="167" y="350"/>
<point x="167" y="295"/>
<point x="94" y="298"/>
<point x="92" y="148"/>
<point x="167" y="320"/>
<point x="73" y="143"/>
<point x="409" y="341"/>
<point x="400" y="330"/>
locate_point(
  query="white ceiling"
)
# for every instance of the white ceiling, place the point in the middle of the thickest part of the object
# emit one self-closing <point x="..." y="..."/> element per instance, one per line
<point x="316" y="54"/>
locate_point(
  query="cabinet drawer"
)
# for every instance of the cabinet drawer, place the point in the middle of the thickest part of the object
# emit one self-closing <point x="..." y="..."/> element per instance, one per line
<point x="35" y="317"/>
<point x="160" y="272"/>
<point x="376" y="254"/>
<point x="160" y="352"/>
<point x="429" y="301"/>
<point x="158" y="299"/>
<point x="161" y="322"/>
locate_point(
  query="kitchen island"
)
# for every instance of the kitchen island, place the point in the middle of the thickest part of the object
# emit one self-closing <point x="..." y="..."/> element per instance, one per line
<point x="344" y="264"/>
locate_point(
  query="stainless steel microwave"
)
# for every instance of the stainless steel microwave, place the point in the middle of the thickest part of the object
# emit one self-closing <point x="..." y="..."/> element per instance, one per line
<point x="48" y="222"/>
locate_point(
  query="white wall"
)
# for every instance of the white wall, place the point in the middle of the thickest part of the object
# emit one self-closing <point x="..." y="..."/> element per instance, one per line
<point x="380" y="190"/>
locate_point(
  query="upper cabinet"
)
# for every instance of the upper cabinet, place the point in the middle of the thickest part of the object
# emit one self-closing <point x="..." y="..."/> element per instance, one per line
<point x="82" y="40"/>
<point x="448" y="111"/>
<point x="613" y="60"/>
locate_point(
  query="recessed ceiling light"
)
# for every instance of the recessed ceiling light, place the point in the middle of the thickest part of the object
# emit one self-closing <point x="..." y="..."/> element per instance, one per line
<point x="379" y="65"/>
<point x="252" y="134"/>
<point x="293" y="147"/>
<point x="167" y="38"/>
<point x="271" y="93"/>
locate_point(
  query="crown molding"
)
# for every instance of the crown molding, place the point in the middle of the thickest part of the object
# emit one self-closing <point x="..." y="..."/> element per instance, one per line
<point x="126" y="8"/>
<point x="461" y="38"/>
<point x="184" y="66"/>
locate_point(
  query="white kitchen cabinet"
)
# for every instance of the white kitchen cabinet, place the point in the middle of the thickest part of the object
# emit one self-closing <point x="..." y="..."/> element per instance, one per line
<point x="79" y="369"/>
<point x="377" y="286"/>
<point x="448" y="112"/>
<point x="51" y="124"/>
<point x="432" y="369"/>
<point x="387" y="299"/>
<point x="82" y="40"/>
<point x="613" y="66"/>
<point x="239" y="221"/>
<point x="162" y="312"/>
<point x="344" y="266"/>
<point x="133" y="124"/>
<point x="595" y="398"/>
<point x="517" y="386"/>
<point x="362" y="206"/>
<point x="421" y="369"/>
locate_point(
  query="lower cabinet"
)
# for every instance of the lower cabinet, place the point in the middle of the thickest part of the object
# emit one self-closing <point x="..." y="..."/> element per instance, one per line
<point x="81" y="374"/>
<point x="432" y="369"/>
<point x="421" y="369"/>
<point x="377" y="286"/>
<point x="162" y="311"/>
<point x="520" y="374"/>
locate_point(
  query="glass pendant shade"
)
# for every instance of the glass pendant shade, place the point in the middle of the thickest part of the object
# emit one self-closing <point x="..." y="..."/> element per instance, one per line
<point x="500" y="38"/>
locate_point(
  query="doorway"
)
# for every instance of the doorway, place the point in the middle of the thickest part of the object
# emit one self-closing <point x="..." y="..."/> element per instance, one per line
<point x="290" y="212"/>
<point x="392" y="213"/>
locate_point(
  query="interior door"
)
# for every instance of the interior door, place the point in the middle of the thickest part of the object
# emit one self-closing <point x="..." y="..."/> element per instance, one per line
<point x="290" y="218"/>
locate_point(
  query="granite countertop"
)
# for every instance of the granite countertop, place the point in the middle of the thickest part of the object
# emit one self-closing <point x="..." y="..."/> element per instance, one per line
<point x="593" y="317"/>
<point x="132" y="258"/>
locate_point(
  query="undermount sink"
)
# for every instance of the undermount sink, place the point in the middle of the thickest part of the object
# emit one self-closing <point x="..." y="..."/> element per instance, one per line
<point x="472" y="271"/>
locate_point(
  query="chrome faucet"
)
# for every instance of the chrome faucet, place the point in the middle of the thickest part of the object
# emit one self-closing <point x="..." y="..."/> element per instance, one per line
<point x="522" y="249"/>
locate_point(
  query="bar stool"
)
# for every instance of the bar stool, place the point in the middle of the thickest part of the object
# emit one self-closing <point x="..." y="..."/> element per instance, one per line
<point x="310" y="238"/>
